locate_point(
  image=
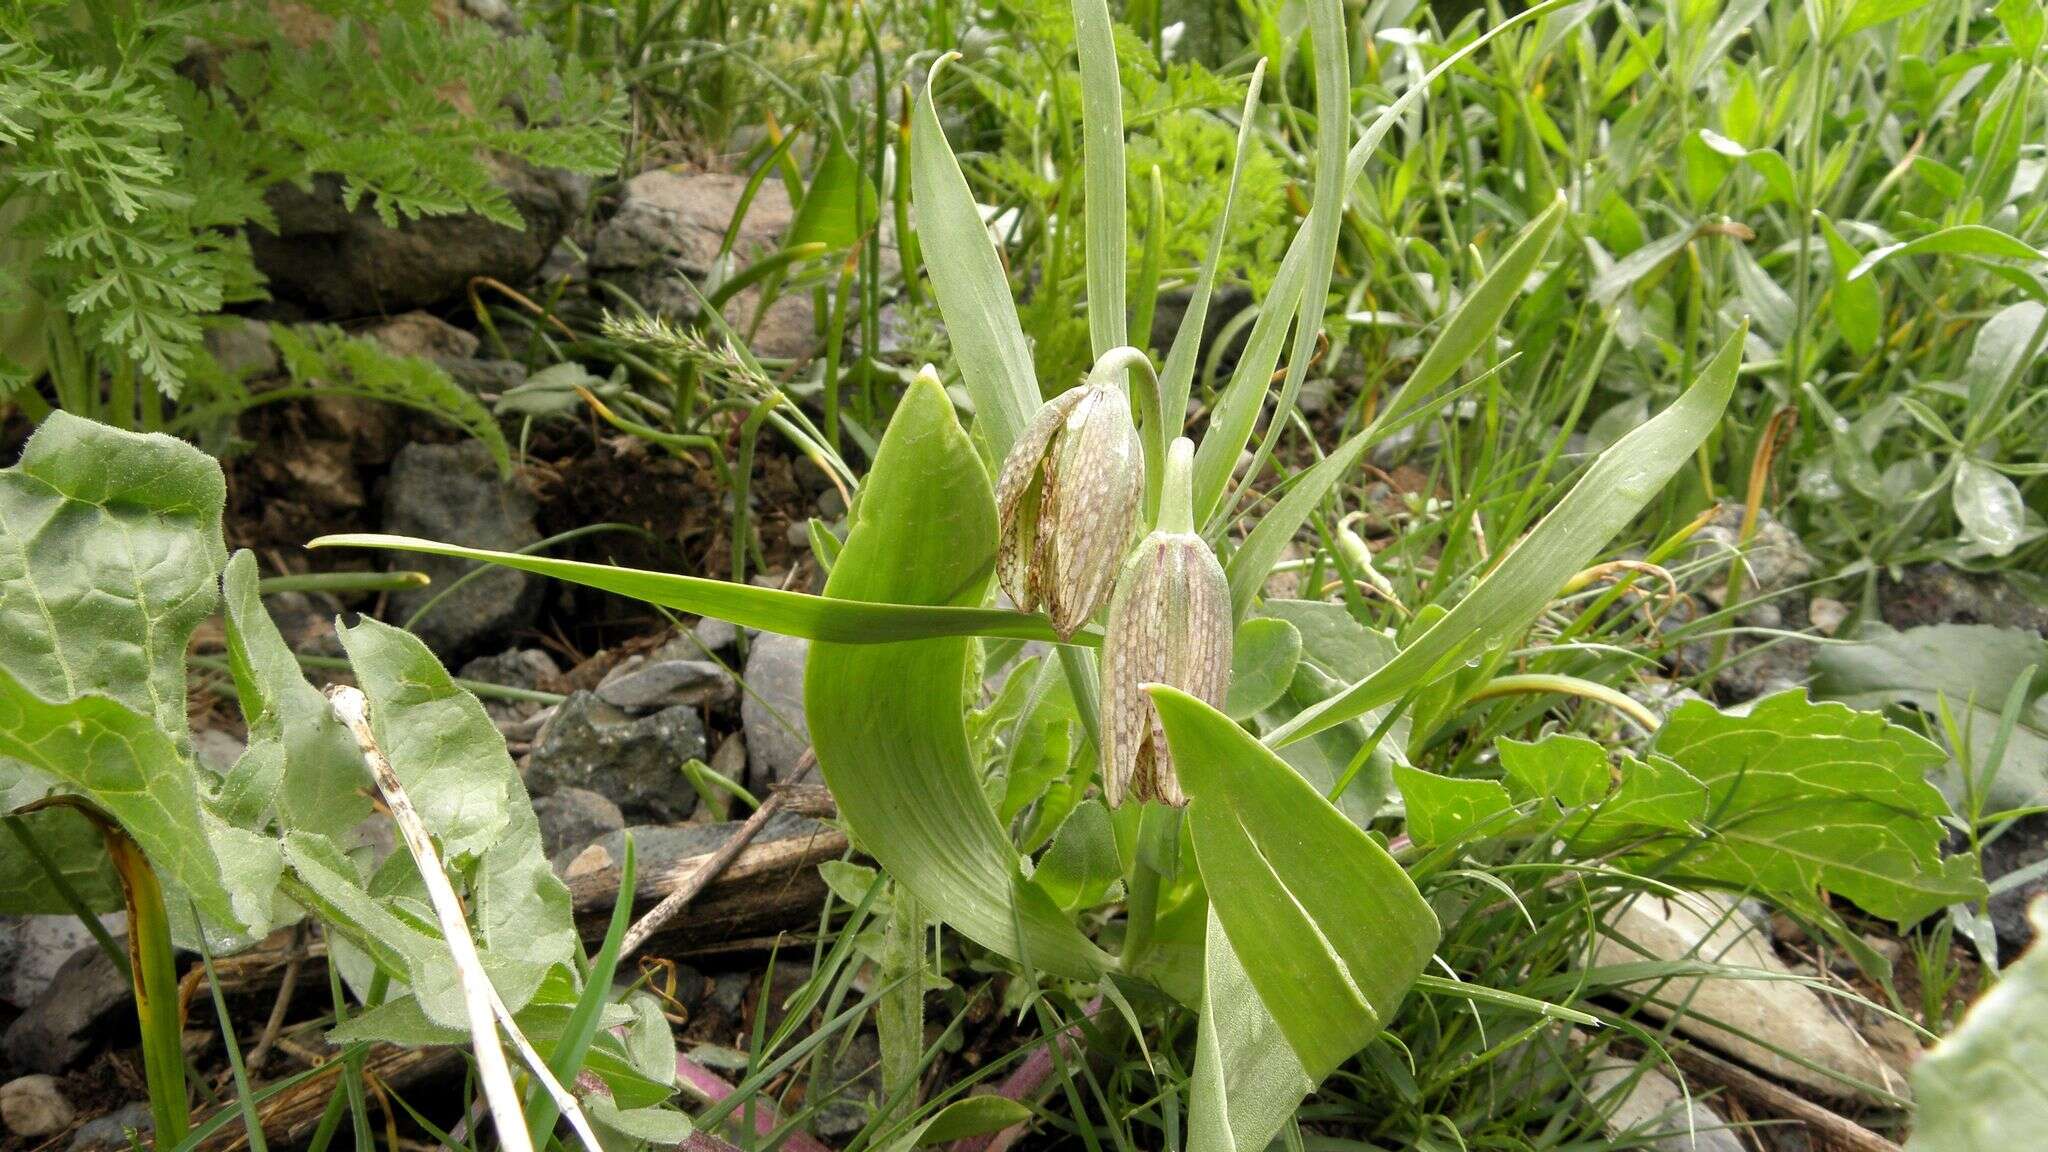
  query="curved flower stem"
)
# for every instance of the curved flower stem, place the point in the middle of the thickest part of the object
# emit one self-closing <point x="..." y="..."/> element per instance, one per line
<point x="1540" y="683"/>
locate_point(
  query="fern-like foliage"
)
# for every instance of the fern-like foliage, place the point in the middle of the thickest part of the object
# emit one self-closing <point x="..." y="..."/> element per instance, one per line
<point x="136" y="142"/>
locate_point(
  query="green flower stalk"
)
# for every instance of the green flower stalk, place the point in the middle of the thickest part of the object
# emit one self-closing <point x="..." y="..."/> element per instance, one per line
<point x="1169" y="623"/>
<point x="1068" y="497"/>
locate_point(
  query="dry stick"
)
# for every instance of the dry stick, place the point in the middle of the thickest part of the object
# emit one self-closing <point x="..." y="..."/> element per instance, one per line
<point x="672" y="905"/>
<point x="1838" y="1131"/>
<point x="260" y="1054"/>
<point x="479" y="998"/>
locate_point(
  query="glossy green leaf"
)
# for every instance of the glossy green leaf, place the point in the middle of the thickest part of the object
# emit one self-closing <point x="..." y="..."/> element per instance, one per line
<point x="1447" y="809"/>
<point x="1330" y="930"/>
<point x="833" y="201"/>
<point x="1980" y="1089"/>
<point x="1989" y="507"/>
<point x="1625" y="478"/>
<point x="1857" y="309"/>
<point x="887" y="720"/>
<point x="973" y="294"/>
<point x="1955" y="240"/>
<point x="842" y="621"/>
<point x="1262" y="664"/>
<point x="963" y="1118"/>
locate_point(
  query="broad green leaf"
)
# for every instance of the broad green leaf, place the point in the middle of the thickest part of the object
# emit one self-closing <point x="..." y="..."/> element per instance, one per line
<point x="831" y="210"/>
<point x="662" y="1127"/>
<point x="1329" y="928"/>
<point x="842" y="621"/>
<point x="1989" y="506"/>
<point x="317" y="779"/>
<point x="1804" y="796"/>
<point x="1446" y="809"/>
<point x="1865" y="14"/>
<point x="973" y="294"/>
<point x="1248" y="1081"/>
<point x="110" y="553"/>
<point x="1625" y="478"/>
<point x="888" y="720"/>
<point x="1653" y="792"/>
<point x="1955" y="240"/>
<point x="1262" y="663"/>
<point x="1974" y="668"/>
<point x="1767" y="163"/>
<point x="70" y="842"/>
<point x="118" y="758"/>
<point x="1081" y="868"/>
<point x="1570" y="770"/>
<point x="1102" y="176"/>
<point x="1980" y="1089"/>
<point x="453" y="763"/>
<point x="1332" y="639"/>
<point x="1857" y="310"/>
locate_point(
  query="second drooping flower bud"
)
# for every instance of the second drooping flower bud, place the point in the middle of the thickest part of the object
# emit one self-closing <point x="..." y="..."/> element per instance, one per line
<point x="1169" y="623"/>
<point x="1068" y="498"/>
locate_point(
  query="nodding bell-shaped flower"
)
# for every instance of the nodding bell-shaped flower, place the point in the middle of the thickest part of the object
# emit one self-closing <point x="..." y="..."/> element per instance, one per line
<point x="1169" y="623"/>
<point x="1068" y="498"/>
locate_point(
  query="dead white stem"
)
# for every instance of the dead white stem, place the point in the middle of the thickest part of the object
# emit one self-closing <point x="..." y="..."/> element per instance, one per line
<point x="486" y="1009"/>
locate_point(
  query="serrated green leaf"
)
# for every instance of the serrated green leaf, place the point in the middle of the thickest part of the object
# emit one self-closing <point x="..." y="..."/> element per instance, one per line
<point x="1446" y="809"/>
<point x="1570" y="770"/>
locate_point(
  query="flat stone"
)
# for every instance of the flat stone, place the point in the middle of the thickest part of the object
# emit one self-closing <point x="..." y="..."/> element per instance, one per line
<point x="424" y="335"/>
<point x="110" y="1132"/>
<point x="772" y="712"/>
<point x="655" y="685"/>
<point x="635" y="761"/>
<point x="573" y="817"/>
<point x="64" y="1024"/>
<point x="1784" y="1016"/>
<point x="34" y="1106"/>
<point x="1644" y="1104"/>
<point x="37" y="947"/>
<point x="452" y="493"/>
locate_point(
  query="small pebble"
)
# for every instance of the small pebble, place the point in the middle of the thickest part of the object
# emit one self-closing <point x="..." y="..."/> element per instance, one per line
<point x="1827" y="615"/>
<point x="34" y="1106"/>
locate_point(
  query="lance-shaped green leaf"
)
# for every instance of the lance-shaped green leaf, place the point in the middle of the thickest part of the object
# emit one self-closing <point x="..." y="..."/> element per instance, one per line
<point x="1955" y="240"/>
<point x="1329" y="928"/>
<point x="1980" y="1090"/>
<point x="1469" y="328"/>
<point x="1248" y="1081"/>
<point x="888" y="720"/>
<point x="1102" y="176"/>
<point x="1627" y="476"/>
<point x="841" y="621"/>
<point x="973" y="294"/>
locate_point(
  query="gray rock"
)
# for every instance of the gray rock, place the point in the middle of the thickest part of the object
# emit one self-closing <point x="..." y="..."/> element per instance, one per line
<point x="772" y="714"/>
<point x="61" y="1026"/>
<point x="670" y="228"/>
<point x="422" y="335"/>
<point x="528" y="668"/>
<point x="485" y="377"/>
<point x="34" y="1106"/>
<point x="242" y="348"/>
<point x="635" y="761"/>
<point x="659" y="684"/>
<point x="1939" y="594"/>
<point x="717" y="636"/>
<point x="1643" y="1104"/>
<point x="2022" y="845"/>
<point x="452" y="493"/>
<point x="853" y="1087"/>
<point x="38" y="946"/>
<point x="217" y="750"/>
<point x="1777" y="562"/>
<point x="342" y="263"/>
<point x="111" y="1131"/>
<point x="573" y="817"/>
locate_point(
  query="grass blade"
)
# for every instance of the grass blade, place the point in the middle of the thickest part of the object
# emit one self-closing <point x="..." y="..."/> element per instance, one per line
<point x="1102" y="151"/>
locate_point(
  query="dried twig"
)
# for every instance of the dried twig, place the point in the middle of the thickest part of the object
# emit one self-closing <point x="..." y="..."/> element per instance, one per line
<point x="1837" y="1131"/>
<point x="260" y="1054"/>
<point x="485" y="1009"/>
<point x="673" y="904"/>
